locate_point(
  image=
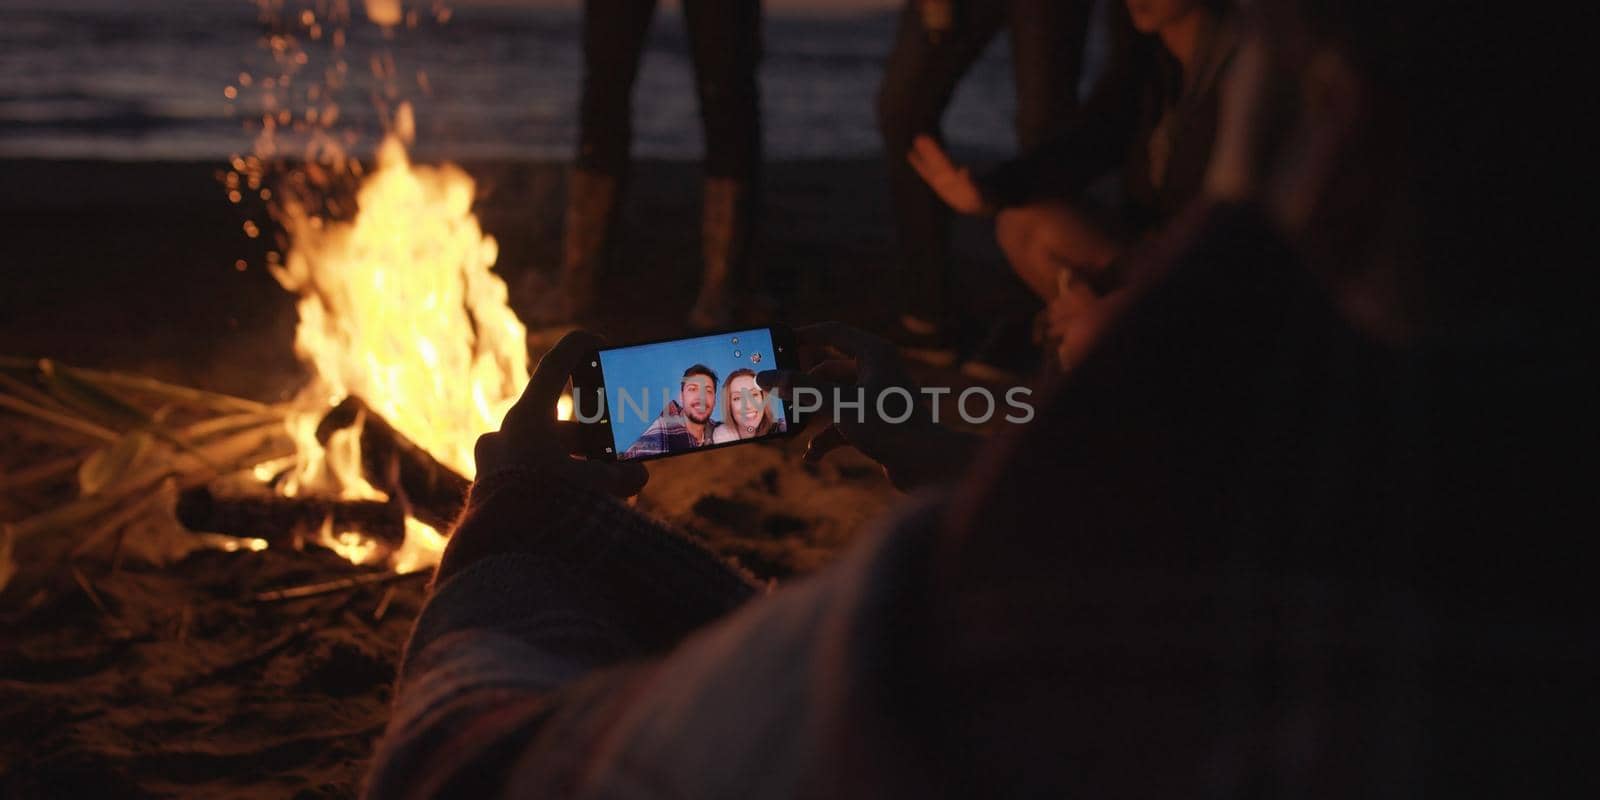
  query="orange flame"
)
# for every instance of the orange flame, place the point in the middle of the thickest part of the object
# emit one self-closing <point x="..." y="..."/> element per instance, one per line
<point x="398" y="306"/>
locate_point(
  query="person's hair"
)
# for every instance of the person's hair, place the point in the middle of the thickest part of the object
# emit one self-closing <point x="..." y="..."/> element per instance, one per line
<point x="698" y="369"/>
<point x="768" y="422"/>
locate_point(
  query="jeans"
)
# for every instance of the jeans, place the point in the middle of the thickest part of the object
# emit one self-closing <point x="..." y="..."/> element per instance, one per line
<point x="1047" y="53"/>
<point x="725" y="47"/>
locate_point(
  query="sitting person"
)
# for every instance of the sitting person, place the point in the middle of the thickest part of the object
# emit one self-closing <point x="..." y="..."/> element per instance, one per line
<point x="746" y="410"/>
<point x="685" y="423"/>
<point x="1316" y="551"/>
<point x="1152" y="121"/>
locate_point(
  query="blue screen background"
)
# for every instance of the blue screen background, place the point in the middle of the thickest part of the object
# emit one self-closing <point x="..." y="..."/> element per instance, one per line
<point x="659" y="368"/>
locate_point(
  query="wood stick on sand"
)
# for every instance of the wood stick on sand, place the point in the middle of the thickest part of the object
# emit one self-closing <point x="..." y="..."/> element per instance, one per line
<point x="329" y="587"/>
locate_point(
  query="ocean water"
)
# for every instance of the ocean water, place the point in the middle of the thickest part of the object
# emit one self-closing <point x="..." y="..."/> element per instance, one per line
<point x="142" y="80"/>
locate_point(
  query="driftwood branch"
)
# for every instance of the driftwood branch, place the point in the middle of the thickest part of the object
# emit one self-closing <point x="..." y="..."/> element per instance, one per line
<point x="398" y="466"/>
<point x="275" y="519"/>
<point x="329" y="587"/>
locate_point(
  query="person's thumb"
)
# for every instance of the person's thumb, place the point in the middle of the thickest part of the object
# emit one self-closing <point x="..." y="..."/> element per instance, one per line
<point x="826" y="440"/>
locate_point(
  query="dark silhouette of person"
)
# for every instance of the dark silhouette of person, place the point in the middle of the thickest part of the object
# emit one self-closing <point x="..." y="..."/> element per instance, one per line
<point x="1151" y="123"/>
<point x="937" y="43"/>
<point x="725" y="49"/>
<point x="1302" y="519"/>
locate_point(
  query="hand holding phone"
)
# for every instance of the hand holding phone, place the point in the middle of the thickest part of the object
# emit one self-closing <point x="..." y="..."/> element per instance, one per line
<point x="530" y="435"/>
<point x="848" y="363"/>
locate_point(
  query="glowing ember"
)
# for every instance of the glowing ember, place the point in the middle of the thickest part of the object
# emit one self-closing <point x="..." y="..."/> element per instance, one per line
<point x="383" y="12"/>
<point x="398" y="306"/>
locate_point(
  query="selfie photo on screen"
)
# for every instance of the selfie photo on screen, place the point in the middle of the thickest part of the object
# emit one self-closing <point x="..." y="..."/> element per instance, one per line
<point x="678" y="396"/>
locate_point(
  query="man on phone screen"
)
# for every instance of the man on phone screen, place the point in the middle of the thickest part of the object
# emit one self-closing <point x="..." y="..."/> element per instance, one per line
<point x="686" y="422"/>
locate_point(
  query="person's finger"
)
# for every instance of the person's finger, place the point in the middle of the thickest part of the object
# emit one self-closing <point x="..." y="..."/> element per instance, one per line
<point x="931" y="173"/>
<point x="568" y="437"/>
<point x="971" y="197"/>
<point x="1067" y="354"/>
<point x="810" y="355"/>
<point x="1058" y="322"/>
<point x="929" y="178"/>
<point x="784" y="382"/>
<point x="877" y="359"/>
<point x="780" y="382"/>
<point x="790" y="385"/>
<point x="589" y="404"/>
<point x="828" y="378"/>
<point x="920" y="163"/>
<point x="834" y="371"/>
<point x="827" y="440"/>
<point x="930" y="152"/>
<point x="538" y="400"/>
<point x="847" y="339"/>
<point x="918" y="152"/>
<point x="490" y="452"/>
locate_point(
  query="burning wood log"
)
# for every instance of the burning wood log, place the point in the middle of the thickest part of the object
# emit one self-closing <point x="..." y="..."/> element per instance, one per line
<point x="398" y="466"/>
<point x="275" y="519"/>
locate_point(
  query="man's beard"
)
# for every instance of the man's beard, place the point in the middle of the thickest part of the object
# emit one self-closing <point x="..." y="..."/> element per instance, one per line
<point x="700" y="420"/>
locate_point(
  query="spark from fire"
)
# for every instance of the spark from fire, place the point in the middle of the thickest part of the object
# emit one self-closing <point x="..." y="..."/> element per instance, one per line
<point x="384" y="12"/>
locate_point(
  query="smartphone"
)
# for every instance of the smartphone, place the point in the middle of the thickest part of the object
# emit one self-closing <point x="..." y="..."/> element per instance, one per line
<point x="677" y="396"/>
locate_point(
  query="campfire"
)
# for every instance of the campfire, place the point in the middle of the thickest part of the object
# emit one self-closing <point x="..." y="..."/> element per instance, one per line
<point x="412" y="349"/>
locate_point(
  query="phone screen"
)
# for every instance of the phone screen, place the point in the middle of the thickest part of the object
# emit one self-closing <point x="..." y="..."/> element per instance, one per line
<point x="682" y="395"/>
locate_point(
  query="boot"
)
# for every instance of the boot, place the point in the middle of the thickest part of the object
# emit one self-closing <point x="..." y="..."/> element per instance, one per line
<point x="591" y="212"/>
<point x="725" y="234"/>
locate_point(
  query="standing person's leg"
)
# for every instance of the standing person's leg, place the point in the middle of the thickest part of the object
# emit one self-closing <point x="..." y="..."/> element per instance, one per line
<point x="613" y="39"/>
<point x="725" y="43"/>
<point x="1047" y="46"/>
<point x="918" y="81"/>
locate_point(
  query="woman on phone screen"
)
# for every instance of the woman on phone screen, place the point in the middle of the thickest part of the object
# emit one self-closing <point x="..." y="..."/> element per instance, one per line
<point x="746" y="412"/>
